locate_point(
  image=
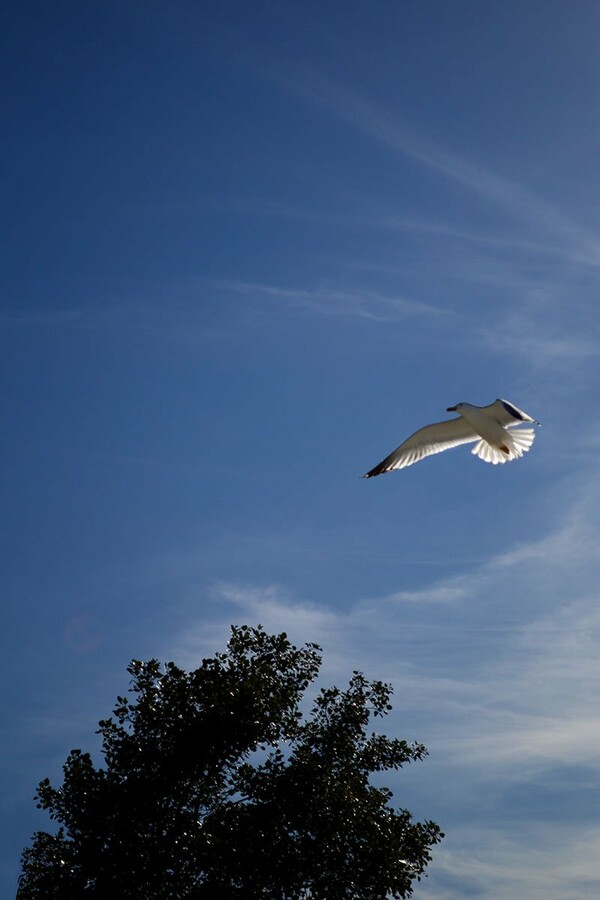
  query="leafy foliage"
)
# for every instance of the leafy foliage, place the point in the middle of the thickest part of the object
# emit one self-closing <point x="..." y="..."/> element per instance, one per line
<point x="216" y="786"/>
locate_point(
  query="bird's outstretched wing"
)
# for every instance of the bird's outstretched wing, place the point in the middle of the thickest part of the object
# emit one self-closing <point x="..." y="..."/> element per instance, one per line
<point x="507" y="414"/>
<point x="425" y="442"/>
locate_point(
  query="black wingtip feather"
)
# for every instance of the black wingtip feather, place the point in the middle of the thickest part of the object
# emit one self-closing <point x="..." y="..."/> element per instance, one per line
<point x="510" y="409"/>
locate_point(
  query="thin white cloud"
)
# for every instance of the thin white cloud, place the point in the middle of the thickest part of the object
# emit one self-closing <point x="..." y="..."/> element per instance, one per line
<point x="390" y="130"/>
<point x="327" y="301"/>
<point x="496" y="671"/>
<point x="542" y="337"/>
<point x="269" y="605"/>
<point x="442" y="593"/>
<point x="541" y="709"/>
<point x="536" y="862"/>
<point x="366" y="216"/>
<point x="509" y="648"/>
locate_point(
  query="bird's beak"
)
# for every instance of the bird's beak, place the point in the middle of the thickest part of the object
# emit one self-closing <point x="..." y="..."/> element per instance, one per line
<point x="451" y="409"/>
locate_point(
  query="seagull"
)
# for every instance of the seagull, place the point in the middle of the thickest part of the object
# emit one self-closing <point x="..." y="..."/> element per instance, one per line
<point x="488" y="425"/>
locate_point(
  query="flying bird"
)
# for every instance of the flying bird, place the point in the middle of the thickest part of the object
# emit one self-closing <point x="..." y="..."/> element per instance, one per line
<point x="488" y="425"/>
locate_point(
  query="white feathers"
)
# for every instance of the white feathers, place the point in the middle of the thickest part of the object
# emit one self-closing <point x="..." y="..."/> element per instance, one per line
<point x="425" y="442"/>
<point x="488" y="425"/>
<point x="517" y="443"/>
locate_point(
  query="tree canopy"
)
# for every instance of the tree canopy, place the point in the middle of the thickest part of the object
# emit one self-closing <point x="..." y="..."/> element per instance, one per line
<point x="215" y="784"/>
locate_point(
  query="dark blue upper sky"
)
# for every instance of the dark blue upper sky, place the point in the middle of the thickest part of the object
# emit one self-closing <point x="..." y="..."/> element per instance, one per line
<point x="247" y="249"/>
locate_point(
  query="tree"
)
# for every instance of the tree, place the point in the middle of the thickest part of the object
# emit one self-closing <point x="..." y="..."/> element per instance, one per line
<point x="215" y="785"/>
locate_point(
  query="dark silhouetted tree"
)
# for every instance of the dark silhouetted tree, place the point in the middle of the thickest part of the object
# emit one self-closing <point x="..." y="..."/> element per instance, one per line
<point x="215" y="785"/>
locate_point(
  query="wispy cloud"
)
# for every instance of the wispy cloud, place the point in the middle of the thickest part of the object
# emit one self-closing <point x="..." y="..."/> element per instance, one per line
<point x="543" y="333"/>
<point x="388" y="129"/>
<point x="361" y="213"/>
<point x="529" y="862"/>
<point x="331" y="302"/>
<point x="525" y="637"/>
<point x="537" y="704"/>
<point x="496" y="670"/>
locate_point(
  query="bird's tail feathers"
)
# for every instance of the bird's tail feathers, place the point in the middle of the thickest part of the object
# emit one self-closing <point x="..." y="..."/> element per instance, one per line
<point x="516" y="443"/>
<point x="521" y="439"/>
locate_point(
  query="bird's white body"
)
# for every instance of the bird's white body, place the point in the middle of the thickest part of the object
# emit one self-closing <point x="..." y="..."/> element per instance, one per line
<point x="488" y="425"/>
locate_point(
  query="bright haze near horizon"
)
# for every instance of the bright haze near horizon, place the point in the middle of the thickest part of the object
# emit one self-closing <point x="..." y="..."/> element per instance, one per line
<point x="248" y="249"/>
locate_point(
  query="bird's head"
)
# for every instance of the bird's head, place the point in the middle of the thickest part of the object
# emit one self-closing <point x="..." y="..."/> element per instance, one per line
<point x="456" y="408"/>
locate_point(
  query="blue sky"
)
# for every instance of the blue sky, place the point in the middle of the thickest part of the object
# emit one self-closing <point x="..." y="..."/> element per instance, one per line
<point x="248" y="249"/>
